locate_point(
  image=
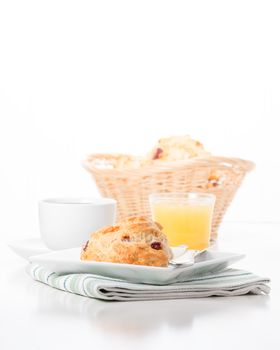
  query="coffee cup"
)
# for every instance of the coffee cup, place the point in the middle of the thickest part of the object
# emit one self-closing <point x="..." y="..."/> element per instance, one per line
<point x="69" y="222"/>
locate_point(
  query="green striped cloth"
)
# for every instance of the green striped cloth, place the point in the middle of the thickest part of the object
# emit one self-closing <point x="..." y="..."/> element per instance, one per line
<point x="229" y="282"/>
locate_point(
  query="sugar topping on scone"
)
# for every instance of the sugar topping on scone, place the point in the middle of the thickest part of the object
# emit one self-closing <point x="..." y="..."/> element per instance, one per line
<point x="135" y="240"/>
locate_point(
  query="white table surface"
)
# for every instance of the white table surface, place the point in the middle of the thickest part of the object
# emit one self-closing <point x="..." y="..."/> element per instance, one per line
<point x="35" y="316"/>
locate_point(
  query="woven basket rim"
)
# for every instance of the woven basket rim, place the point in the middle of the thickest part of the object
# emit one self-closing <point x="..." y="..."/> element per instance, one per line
<point x="222" y="162"/>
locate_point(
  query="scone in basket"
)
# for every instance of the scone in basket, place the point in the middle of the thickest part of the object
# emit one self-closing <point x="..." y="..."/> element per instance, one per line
<point x="131" y="187"/>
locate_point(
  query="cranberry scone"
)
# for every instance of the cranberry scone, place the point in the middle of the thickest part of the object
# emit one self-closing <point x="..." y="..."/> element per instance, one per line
<point x="136" y="240"/>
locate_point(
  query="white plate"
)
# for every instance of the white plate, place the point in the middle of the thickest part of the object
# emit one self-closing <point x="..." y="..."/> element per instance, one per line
<point x="68" y="261"/>
<point x="28" y="247"/>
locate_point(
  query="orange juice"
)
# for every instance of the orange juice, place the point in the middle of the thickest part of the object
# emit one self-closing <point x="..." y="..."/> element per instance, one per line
<point x="185" y="220"/>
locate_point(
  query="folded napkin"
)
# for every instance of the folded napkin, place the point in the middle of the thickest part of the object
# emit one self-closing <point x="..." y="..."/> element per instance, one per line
<point x="229" y="282"/>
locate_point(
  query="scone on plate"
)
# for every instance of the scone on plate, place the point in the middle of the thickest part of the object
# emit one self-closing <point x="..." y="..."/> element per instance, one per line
<point x="136" y="240"/>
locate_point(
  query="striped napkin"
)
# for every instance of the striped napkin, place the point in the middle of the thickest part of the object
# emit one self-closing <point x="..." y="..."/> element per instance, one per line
<point x="229" y="282"/>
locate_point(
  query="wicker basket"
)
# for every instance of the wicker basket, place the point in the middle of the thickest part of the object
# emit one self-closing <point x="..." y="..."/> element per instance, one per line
<point x="131" y="187"/>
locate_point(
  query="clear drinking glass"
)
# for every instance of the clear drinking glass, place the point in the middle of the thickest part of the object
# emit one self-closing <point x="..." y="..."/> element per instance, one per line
<point x="185" y="217"/>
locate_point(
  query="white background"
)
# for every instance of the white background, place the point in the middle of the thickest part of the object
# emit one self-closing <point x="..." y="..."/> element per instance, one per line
<point x="78" y="77"/>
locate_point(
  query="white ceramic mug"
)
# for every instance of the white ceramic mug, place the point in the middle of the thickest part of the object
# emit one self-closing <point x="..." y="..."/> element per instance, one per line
<point x="68" y="222"/>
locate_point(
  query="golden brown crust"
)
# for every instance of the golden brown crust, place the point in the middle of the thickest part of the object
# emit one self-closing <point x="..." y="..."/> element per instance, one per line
<point x="136" y="240"/>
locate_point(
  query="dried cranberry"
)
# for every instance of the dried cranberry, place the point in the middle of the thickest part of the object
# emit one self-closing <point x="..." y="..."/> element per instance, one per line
<point x="156" y="245"/>
<point x="157" y="154"/>
<point x="85" y="246"/>
<point x="125" y="238"/>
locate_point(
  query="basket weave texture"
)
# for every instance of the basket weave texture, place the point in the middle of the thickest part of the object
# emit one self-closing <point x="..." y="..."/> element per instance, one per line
<point x="131" y="187"/>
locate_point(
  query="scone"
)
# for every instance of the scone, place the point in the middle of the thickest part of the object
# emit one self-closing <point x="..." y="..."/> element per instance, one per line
<point x="136" y="240"/>
<point x="177" y="148"/>
<point x="114" y="161"/>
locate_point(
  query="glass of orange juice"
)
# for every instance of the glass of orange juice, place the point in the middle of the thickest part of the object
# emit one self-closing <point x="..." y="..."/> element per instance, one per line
<point x="185" y="217"/>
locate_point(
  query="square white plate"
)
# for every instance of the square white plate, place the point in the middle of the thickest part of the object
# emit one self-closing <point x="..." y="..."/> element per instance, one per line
<point x="68" y="261"/>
